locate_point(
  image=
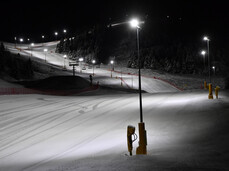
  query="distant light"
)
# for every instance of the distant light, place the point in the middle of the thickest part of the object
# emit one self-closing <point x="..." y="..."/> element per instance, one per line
<point x="28" y="39"/>
<point x="15" y="38"/>
<point x="134" y="23"/>
<point x="203" y="52"/>
<point x="56" y="33"/>
<point x="32" y="44"/>
<point x="43" y="36"/>
<point x="213" y="67"/>
<point x="80" y="59"/>
<point x="45" y="50"/>
<point x="65" y="56"/>
<point x="21" y="40"/>
<point x="206" y="38"/>
<point x="65" y="31"/>
<point x="112" y="62"/>
<point x="93" y="61"/>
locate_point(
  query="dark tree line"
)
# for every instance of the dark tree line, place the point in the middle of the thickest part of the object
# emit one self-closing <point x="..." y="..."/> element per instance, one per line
<point x="167" y="46"/>
<point x="15" y="66"/>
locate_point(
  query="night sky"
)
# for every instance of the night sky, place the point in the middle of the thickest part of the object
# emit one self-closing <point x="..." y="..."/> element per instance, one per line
<point x="34" y="18"/>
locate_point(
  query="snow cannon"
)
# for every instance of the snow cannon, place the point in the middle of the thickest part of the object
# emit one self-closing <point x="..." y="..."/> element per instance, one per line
<point x="130" y="132"/>
<point x="217" y="91"/>
<point x="142" y="139"/>
<point x="210" y="96"/>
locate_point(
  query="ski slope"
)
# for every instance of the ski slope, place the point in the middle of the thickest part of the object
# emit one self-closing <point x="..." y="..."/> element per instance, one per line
<point x="102" y="74"/>
<point x="88" y="132"/>
<point x="185" y="130"/>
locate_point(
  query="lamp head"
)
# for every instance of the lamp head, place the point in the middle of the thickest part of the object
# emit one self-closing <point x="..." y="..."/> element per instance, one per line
<point x="203" y="52"/>
<point x="134" y="23"/>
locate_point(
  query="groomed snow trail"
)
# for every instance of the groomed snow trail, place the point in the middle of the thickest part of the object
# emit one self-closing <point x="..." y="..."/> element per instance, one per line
<point x="40" y="132"/>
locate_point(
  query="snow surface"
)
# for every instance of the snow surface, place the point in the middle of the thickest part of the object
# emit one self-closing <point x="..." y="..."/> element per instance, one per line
<point x="185" y="130"/>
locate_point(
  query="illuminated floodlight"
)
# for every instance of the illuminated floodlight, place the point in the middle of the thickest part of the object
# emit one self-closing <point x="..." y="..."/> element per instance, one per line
<point x="206" y="38"/>
<point x="93" y="61"/>
<point x="80" y="59"/>
<point x="112" y="62"/>
<point x="32" y="44"/>
<point x="21" y="40"/>
<point x="203" y="52"/>
<point x="45" y="50"/>
<point x="134" y="23"/>
<point x="65" y="31"/>
<point x="56" y="33"/>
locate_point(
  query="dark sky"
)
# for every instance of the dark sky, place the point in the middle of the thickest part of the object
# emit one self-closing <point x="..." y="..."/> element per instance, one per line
<point x="34" y="18"/>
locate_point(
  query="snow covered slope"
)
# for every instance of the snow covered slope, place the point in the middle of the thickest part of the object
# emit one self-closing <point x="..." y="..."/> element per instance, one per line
<point x="185" y="131"/>
<point x="102" y="75"/>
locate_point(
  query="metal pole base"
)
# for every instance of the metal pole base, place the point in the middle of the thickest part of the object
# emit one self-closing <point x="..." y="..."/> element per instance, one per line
<point x="210" y="96"/>
<point x="141" y="149"/>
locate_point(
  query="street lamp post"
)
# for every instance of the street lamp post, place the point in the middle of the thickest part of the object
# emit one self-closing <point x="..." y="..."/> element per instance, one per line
<point x="93" y="63"/>
<point x="213" y="67"/>
<point x="15" y="38"/>
<point x="209" y="62"/>
<point x="80" y="60"/>
<point x="210" y="96"/>
<point x="205" y="83"/>
<point x="45" y="50"/>
<point x="31" y="46"/>
<point x="112" y="68"/>
<point x="65" y="32"/>
<point x="65" y="56"/>
<point x="142" y="132"/>
<point x="21" y="40"/>
<point x="43" y="37"/>
<point x="56" y="34"/>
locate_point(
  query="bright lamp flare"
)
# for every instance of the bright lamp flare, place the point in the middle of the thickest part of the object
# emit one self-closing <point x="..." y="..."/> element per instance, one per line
<point x="203" y="52"/>
<point x="134" y="23"/>
<point x="205" y="38"/>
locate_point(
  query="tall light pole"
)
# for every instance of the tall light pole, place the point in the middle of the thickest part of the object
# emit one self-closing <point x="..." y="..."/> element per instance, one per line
<point x="80" y="60"/>
<point x="112" y="68"/>
<point x="209" y="62"/>
<point x="56" y="34"/>
<point x="213" y="67"/>
<point x="65" y="56"/>
<point x="65" y="32"/>
<point x="15" y="38"/>
<point x="43" y="37"/>
<point x="93" y="62"/>
<point x="31" y="46"/>
<point x="135" y="23"/>
<point x="45" y="50"/>
<point x="205" y="83"/>
<point x="21" y="40"/>
<point x="142" y="132"/>
<point x="210" y="96"/>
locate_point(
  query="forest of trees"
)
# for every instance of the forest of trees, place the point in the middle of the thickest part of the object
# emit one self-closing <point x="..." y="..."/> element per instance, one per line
<point x="15" y="66"/>
<point x="166" y="48"/>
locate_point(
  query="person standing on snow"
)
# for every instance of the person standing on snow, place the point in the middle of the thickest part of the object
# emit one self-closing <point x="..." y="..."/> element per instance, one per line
<point x="90" y="76"/>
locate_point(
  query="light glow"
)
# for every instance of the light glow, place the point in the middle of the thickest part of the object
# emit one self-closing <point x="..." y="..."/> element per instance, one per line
<point x="203" y="52"/>
<point x="134" y="23"/>
<point x="206" y="38"/>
